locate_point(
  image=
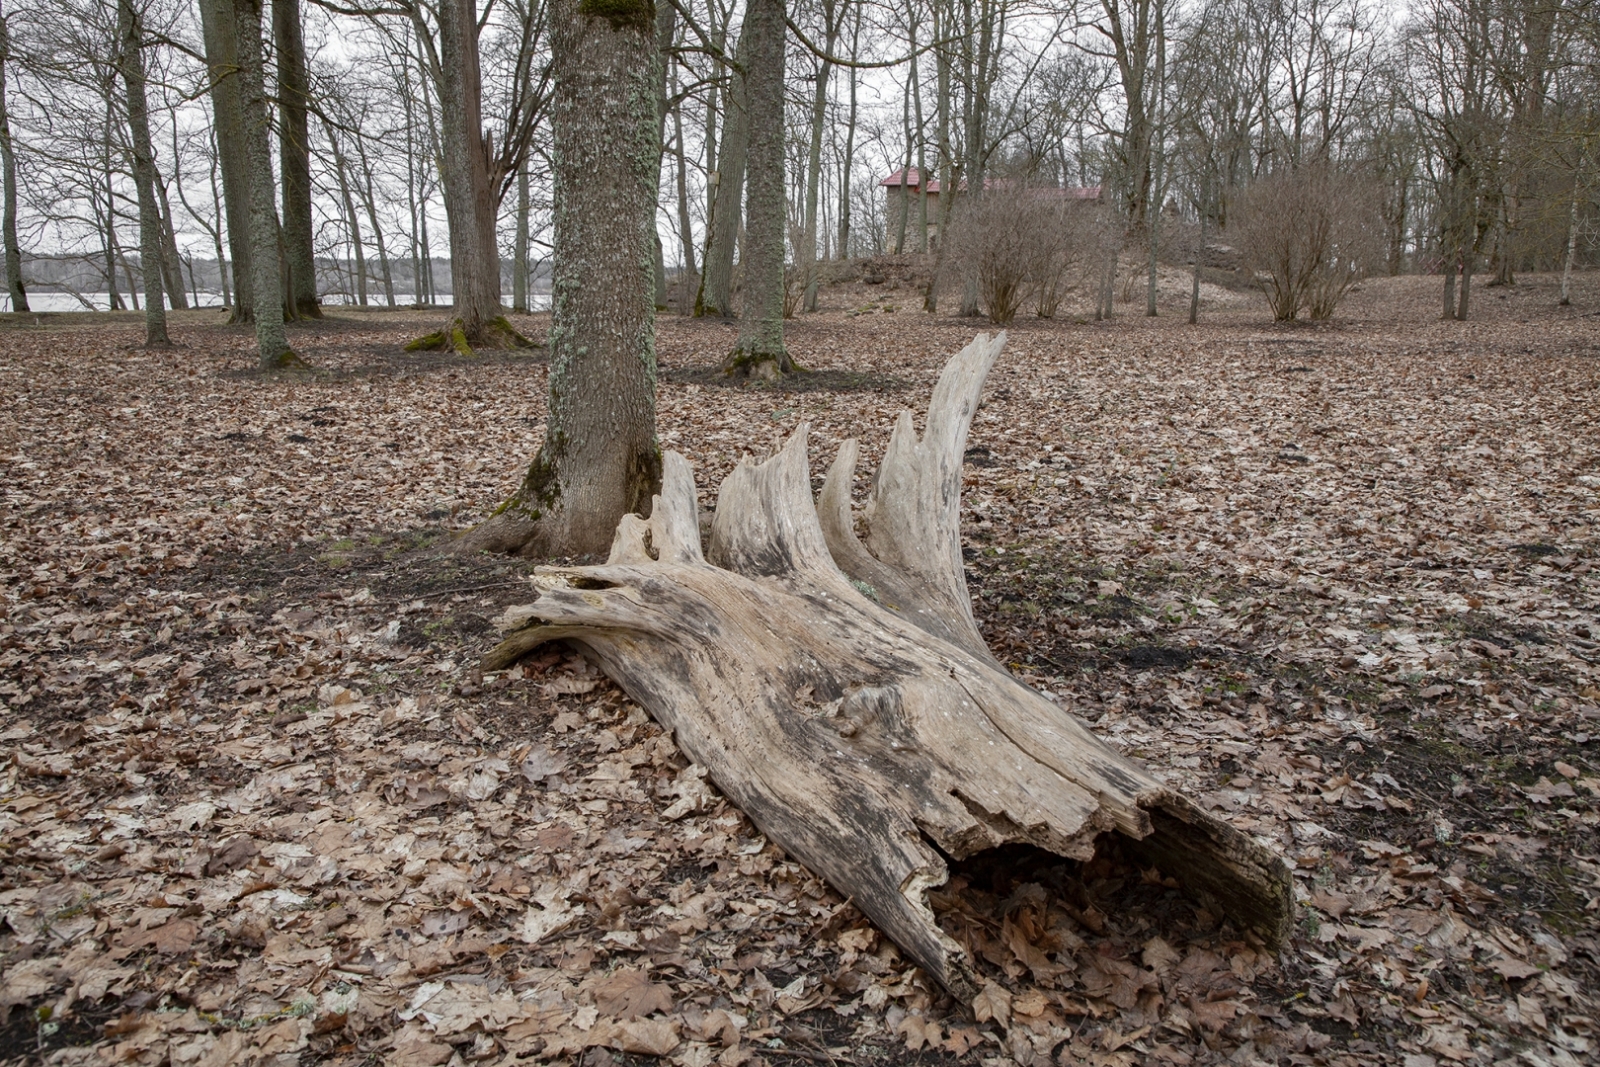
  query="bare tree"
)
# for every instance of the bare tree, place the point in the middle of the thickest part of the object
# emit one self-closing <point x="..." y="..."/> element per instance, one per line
<point x="8" y="175"/>
<point x="760" y="351"/>
<point x="716" y="285"/>
<point x="266" y="287"/>
<point x="130" y="57"/>
<point x="294" y="160"/>
<point x="600" y="459"/>
<point x="222" y="59"/>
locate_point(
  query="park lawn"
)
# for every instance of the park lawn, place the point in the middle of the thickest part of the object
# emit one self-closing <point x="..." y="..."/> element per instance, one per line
<point x="1334" y="582"/>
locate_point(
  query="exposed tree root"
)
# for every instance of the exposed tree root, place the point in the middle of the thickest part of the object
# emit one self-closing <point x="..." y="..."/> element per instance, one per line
<point x="288" y="359"/>
<point x="760" y="365"/>
<point x="498" y="334"/>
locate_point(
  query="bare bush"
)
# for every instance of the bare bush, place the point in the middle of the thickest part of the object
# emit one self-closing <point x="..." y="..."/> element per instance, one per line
<point x="1309" y="234"/>
<point x="1018" y="244"/>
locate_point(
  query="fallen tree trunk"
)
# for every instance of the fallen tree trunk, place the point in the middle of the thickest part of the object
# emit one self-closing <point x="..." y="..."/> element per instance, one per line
<point x="839" y="692"/>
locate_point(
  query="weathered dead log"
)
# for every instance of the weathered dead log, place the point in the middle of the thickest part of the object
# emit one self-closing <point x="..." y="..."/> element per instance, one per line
<point x="839" y="692"/>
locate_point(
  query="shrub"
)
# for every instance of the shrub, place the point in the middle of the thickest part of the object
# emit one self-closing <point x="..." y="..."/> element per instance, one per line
<point x="1016" y="244"/>
<point x="1309" y="234"/>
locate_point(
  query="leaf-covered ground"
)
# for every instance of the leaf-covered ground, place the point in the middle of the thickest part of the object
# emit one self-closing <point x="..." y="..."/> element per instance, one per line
<point x="258" y="806"/>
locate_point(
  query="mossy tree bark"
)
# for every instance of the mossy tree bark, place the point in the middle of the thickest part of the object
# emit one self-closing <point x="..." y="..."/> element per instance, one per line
<point x="600" y="459"/>
<point x="294" y="159"/>
<point x="222" y="58"/>
<point x="8" y="187"/>
<point x="761" y="351"/>
<point x="266" y="285"/>
<point x="838" y="692"/>
<point x="130" y="57"/>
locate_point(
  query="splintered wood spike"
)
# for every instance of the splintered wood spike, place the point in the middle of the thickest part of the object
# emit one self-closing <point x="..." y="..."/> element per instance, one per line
<point x="837" y="688"/>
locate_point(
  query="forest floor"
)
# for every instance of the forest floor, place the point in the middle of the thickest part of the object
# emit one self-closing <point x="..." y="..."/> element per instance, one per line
<point x="257" y="804"/>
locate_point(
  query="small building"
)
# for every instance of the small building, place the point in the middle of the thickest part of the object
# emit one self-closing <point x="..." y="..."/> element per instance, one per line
<point x="911" y="179"/>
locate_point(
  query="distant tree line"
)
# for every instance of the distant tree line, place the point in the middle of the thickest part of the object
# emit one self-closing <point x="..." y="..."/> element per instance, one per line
<point x="336" y="145"/>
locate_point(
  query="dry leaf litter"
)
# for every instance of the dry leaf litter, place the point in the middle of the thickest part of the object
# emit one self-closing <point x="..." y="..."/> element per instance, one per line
<point x="258" y="806"/>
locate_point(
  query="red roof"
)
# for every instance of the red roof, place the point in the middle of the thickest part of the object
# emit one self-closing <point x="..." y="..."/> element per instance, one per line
<point x="913" y="179"/>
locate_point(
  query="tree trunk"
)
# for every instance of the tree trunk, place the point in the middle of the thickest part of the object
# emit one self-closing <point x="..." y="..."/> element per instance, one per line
<point x="807" y="252"/>
<point x="1450" y="266"/>
<point x="947" y="182"/>
<point x="847" y="164"/>
<point x="8" y="187"/>
<point x="354" y="221"/>
<point x="223" y="267"/>
<point x="687" y="283"/>
<point x="760" y="351"/>
<point x="1572" y="227"/>
<point x="430" y="291"/>
<point x="412" y="193"/>
<point x="922" y="153"/>
<point x="1199" y="256"/>
<point x="371" y="204"/>
<point x="599" y="460"/>
<point x="470" y="202"/>
<point x="130" y="57"/>
<point x="171" y="261"/>
<point x="113" y="298"/>
<point x="840" y="694"/>
<point x="265" y="271"/>
<point x="979" y="73"/>
<point x="716" y="286"/>
<point x="222" y="60"/>
<point x="294" y="156"/>
<point x="519" y="250"/>
<point x="903" y="190"/>
<point x="666" y="29"/>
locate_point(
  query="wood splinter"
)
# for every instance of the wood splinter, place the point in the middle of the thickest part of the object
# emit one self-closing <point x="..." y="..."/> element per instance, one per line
<point x="837" y="688"/>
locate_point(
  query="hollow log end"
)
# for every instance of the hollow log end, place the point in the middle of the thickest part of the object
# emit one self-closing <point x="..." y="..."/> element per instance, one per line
<point x="1220" y="865"/>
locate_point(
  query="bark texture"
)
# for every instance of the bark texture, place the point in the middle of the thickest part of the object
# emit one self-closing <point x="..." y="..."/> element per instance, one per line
<point x="519" y="253"/>
<point x="470" y="203"/>
<point x="863" y="727"/>
<point x="294" y="159"/>
<point x="806" y="254"/>
<point x="716" y="285"/>
<point x="8" y="187"/>
<point x="266" y="287"/>
<point x="222" y="59"/>
<point x="600" y="459"/>
<point x="760" y="351"/>
<point x="130" y="57"/>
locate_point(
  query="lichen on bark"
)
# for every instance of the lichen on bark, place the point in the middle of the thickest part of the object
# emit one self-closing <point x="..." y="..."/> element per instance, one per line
<point x="601" y="458"/>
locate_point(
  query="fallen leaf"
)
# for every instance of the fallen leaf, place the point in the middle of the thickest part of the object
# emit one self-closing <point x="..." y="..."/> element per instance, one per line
<point x="992" y="1002"/>
<point x="628" y="994"/>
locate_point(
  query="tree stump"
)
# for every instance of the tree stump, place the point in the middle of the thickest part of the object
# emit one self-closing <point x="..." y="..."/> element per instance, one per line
<point x="838" y="691"/>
